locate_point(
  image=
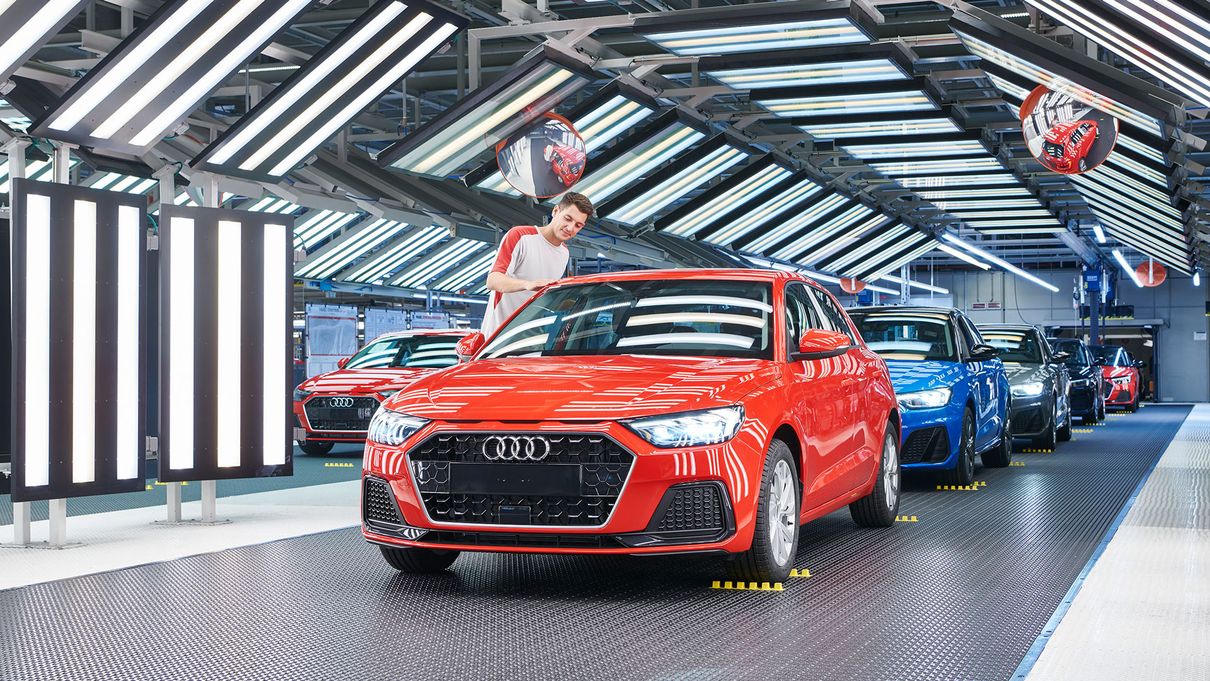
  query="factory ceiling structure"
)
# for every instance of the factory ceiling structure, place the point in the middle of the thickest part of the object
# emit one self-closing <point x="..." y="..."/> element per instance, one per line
<point x="843" y="138"/>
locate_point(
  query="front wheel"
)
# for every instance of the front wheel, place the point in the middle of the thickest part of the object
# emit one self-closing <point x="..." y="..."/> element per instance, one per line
<point x="881" y="505"/>
<point x="1048" y="437"/>
<point x="316" y="448"/>
<point x="775" y="538"/>
<point x="418" y="561"/>
<point x="963" y="472"/>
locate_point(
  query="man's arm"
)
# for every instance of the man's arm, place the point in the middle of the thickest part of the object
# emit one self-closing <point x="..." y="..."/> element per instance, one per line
<point x="499" y="281"/>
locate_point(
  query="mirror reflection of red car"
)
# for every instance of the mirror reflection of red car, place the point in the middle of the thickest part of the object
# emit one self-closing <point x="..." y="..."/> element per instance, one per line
<point x="566" y="162"/>
<point x="1065" y="146"/>
<point x="1123" y="381"/>
<point x="337" y="406"/>
<point x="678" y="411"/>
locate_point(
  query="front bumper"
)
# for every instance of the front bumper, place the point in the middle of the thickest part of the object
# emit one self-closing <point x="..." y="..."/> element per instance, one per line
<point x="315" y="421"/>
<point x="931" y="438"/>
<point x="671" y="501"/>
<point x="1083" y="399"/>
<point x="1030" y="416"/>
<point x="1121" y="394"/>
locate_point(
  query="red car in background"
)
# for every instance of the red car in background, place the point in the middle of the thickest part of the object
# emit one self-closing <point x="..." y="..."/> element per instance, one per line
<point x="337" y="406"/>
<point x="645" y="412"/>
<point x="1121" y="371"/>
<point x="566" y="162"/>
<point x="1065" y="147"/>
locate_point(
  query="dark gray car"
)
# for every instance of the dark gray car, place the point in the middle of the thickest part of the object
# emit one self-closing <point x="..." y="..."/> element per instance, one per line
<point x="1038" y="381"/>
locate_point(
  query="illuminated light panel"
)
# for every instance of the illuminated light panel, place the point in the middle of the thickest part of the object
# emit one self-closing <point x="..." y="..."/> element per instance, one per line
<point x="275" y="311"/>
<point x="986" y="224"/>
<point x="915" y="284"/>
<point x="963" y="256"/>
<point x="228" y="399"/>
<point x="770" y="36"/>
<point x="908" y="100"/>
<point x="37" y="339"/>
<point x="988" y="257"/>
<point x="356" y="67"/>
<point x="1134" y="276"/>
<point x="755" y="185"/>
<point x="1037" y="74"/>
<point x="915" y="149"/>
<point x="1153" y="56"/>
<point x="27" y="25"/>
<point x="1018" y="230"/>
<point x="126" y="388"/>
<point x="180" y="325"/>
<point x="476" y="123"/>
<point x="876" y="243"/>
<point x="807" y="217"/>
<point x="767" y="210"/>
<point x="340" y="254"/>
<point x="846" y="239"/>
<point x="272" y="204"/>
<point x="1098" y="232"/>
<point x="392" y="258"/>
<point x="823" y="232"/>
<point x="84" y="342"/>
<point x="34" y="170"/>
<point x="164" y="70"/>
<point x="435" y="265"/>
<point x="686" y="180"/>
<point x="879" y="129"/>
<point x="116" y="182"/>
<point x="857" y="71"/>
<point x="603" y="182"/>
<point x="918" y="247"/>
<point x="957" y="181"/>
<point x="319" y="225"/>
<point x="934" y="196"/>
<point x="985" y="205"/>
<point x="459" y="280"/>
<point x="939" y="166"/>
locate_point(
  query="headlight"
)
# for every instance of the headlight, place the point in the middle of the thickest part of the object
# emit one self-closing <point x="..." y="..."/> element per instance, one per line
<point x="387" y="393"/>
<point x="925" y="399"/>
<point x="693" y="429"/>
<point x="1079" y="383"/>
<point x="1028" y="389"/>
<point x="391" y="428"/>
<point x="300" y="395"/>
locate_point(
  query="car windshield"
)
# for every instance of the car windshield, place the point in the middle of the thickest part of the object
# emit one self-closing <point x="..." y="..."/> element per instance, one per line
<point x="1072" y="348"/>
<point x="694" y="317"/>
<point x="908" y="335"/>
<point x="1109" y="355"/>
<point x="1015" y="346"/>
<point x="411" y="352"/>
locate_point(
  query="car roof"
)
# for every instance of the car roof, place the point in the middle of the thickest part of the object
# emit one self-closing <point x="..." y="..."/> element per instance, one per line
<point x="1008" y="327"/>
<point x="421" y="332"/>
<point x="734" y="274"/>
<point x="903" y="308"/>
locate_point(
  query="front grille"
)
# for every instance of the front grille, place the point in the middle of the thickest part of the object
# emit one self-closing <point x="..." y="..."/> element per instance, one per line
<point x="378" y="503"/>
<point x="323" y="414"/>
<point x="691" y="507"/>
<point x="1081" y="400"/>
<point x="926" y="445"/>
<point x="1029" y="420"/>
<point x="601" y="468"/>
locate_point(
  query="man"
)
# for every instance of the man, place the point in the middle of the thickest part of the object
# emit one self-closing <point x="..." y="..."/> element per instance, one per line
<point x="532" y="257"/>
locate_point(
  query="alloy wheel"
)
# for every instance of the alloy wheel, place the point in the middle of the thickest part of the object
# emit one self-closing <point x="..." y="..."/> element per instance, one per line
<point x="890" y="471"/>
<point x="784" y="523"/>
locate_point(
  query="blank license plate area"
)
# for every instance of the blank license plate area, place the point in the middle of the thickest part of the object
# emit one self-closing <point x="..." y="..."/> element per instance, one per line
<point x="515" y="479"/>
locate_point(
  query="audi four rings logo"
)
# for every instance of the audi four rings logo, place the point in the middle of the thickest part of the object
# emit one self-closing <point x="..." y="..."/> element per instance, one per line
<point x="340" y="401"/>
<point x="515" y="448"/>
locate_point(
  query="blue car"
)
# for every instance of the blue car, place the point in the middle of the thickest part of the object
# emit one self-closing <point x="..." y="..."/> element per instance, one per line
<point x="952" y="390"/>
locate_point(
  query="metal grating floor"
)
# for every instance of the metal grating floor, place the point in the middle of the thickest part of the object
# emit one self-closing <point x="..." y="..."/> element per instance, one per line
<point x="960" y="594"/>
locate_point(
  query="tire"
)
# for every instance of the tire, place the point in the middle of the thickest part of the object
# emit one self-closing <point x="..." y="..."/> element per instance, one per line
<point x="1064" y="433"/>
<point x="1047" y="439"/>
<point x="1101" y="410"/>
<point x="1002" y="454"/>
<point x="315" y="448"/>
<point x="418" y="561"/>
<point x="881" y="505"/>
<point x="963" y="472"/>
<point x="775" y="537"/>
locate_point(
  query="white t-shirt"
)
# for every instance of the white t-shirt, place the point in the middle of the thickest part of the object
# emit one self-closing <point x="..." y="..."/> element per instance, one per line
<point x="524" y="254"/>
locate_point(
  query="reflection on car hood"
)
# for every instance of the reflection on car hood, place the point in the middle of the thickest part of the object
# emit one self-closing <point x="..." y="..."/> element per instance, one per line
<point x="580" y="388"/>
<point x="909" y="377"/>
<point x="362" y="381"/>
<point x="1025" y="373"/>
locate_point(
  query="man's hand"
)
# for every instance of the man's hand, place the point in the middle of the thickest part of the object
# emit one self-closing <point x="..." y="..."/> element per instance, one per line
<point x="497" y="281"/>
<point x="538" y="283"/>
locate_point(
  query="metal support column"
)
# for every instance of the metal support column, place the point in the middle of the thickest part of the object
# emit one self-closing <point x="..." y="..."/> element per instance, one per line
<point x="58" y="507"/>
<point x="210" y="198"/>
<point x="166" y="177"/>
<point x="15" y="150"/>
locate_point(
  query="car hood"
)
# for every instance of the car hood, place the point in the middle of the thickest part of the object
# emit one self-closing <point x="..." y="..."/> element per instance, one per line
<point x="363" y="381"/>
<point x="581" y="388"/>
<point x="1116" y="372"/>
<point x="1025" y="373"/>
<point x="908" y="376"/>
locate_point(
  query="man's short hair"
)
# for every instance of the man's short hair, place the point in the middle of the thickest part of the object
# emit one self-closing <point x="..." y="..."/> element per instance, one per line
<point x="580" y="201"/>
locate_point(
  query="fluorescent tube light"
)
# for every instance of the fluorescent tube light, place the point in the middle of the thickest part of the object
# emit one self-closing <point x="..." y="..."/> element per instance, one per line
<point x="25" y="25"/>
<point x="275" y="312"/>
<point x="181" y="341"/>
<point x="975" y="250"/>
<point x="37" y="339"/>
<point x="84" y="342"/>
<point x="127" y="401"/>
<point x="1100" y="233"/>
<point x="1134" y="276"/>
<point x="964" y="257"/>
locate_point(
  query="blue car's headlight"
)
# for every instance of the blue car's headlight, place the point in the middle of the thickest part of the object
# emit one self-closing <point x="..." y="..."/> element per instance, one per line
<point x="392" y="428"/>
<point x="692" y="429"/>
<point x="1028" y="389"/>
<point x="925" y="399"/>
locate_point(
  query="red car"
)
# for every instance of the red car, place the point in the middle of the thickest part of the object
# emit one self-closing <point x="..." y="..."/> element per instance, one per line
<point x="648" y="412"/>
<point x="337" y="406"/>
<point x="1065" y="146"/>
<point x="566" y="162"/>
<point x="1124" y="383"/>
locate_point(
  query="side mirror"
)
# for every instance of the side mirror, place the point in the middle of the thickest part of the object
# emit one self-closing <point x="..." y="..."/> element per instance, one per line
<point x="820" y="344"/>
<point x="340" y="363"/>
<point x="981" y="352"/>
<point x="1139" y="363"/>
<point x="1060" y="357"/>
<point x="470" y="345"/>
